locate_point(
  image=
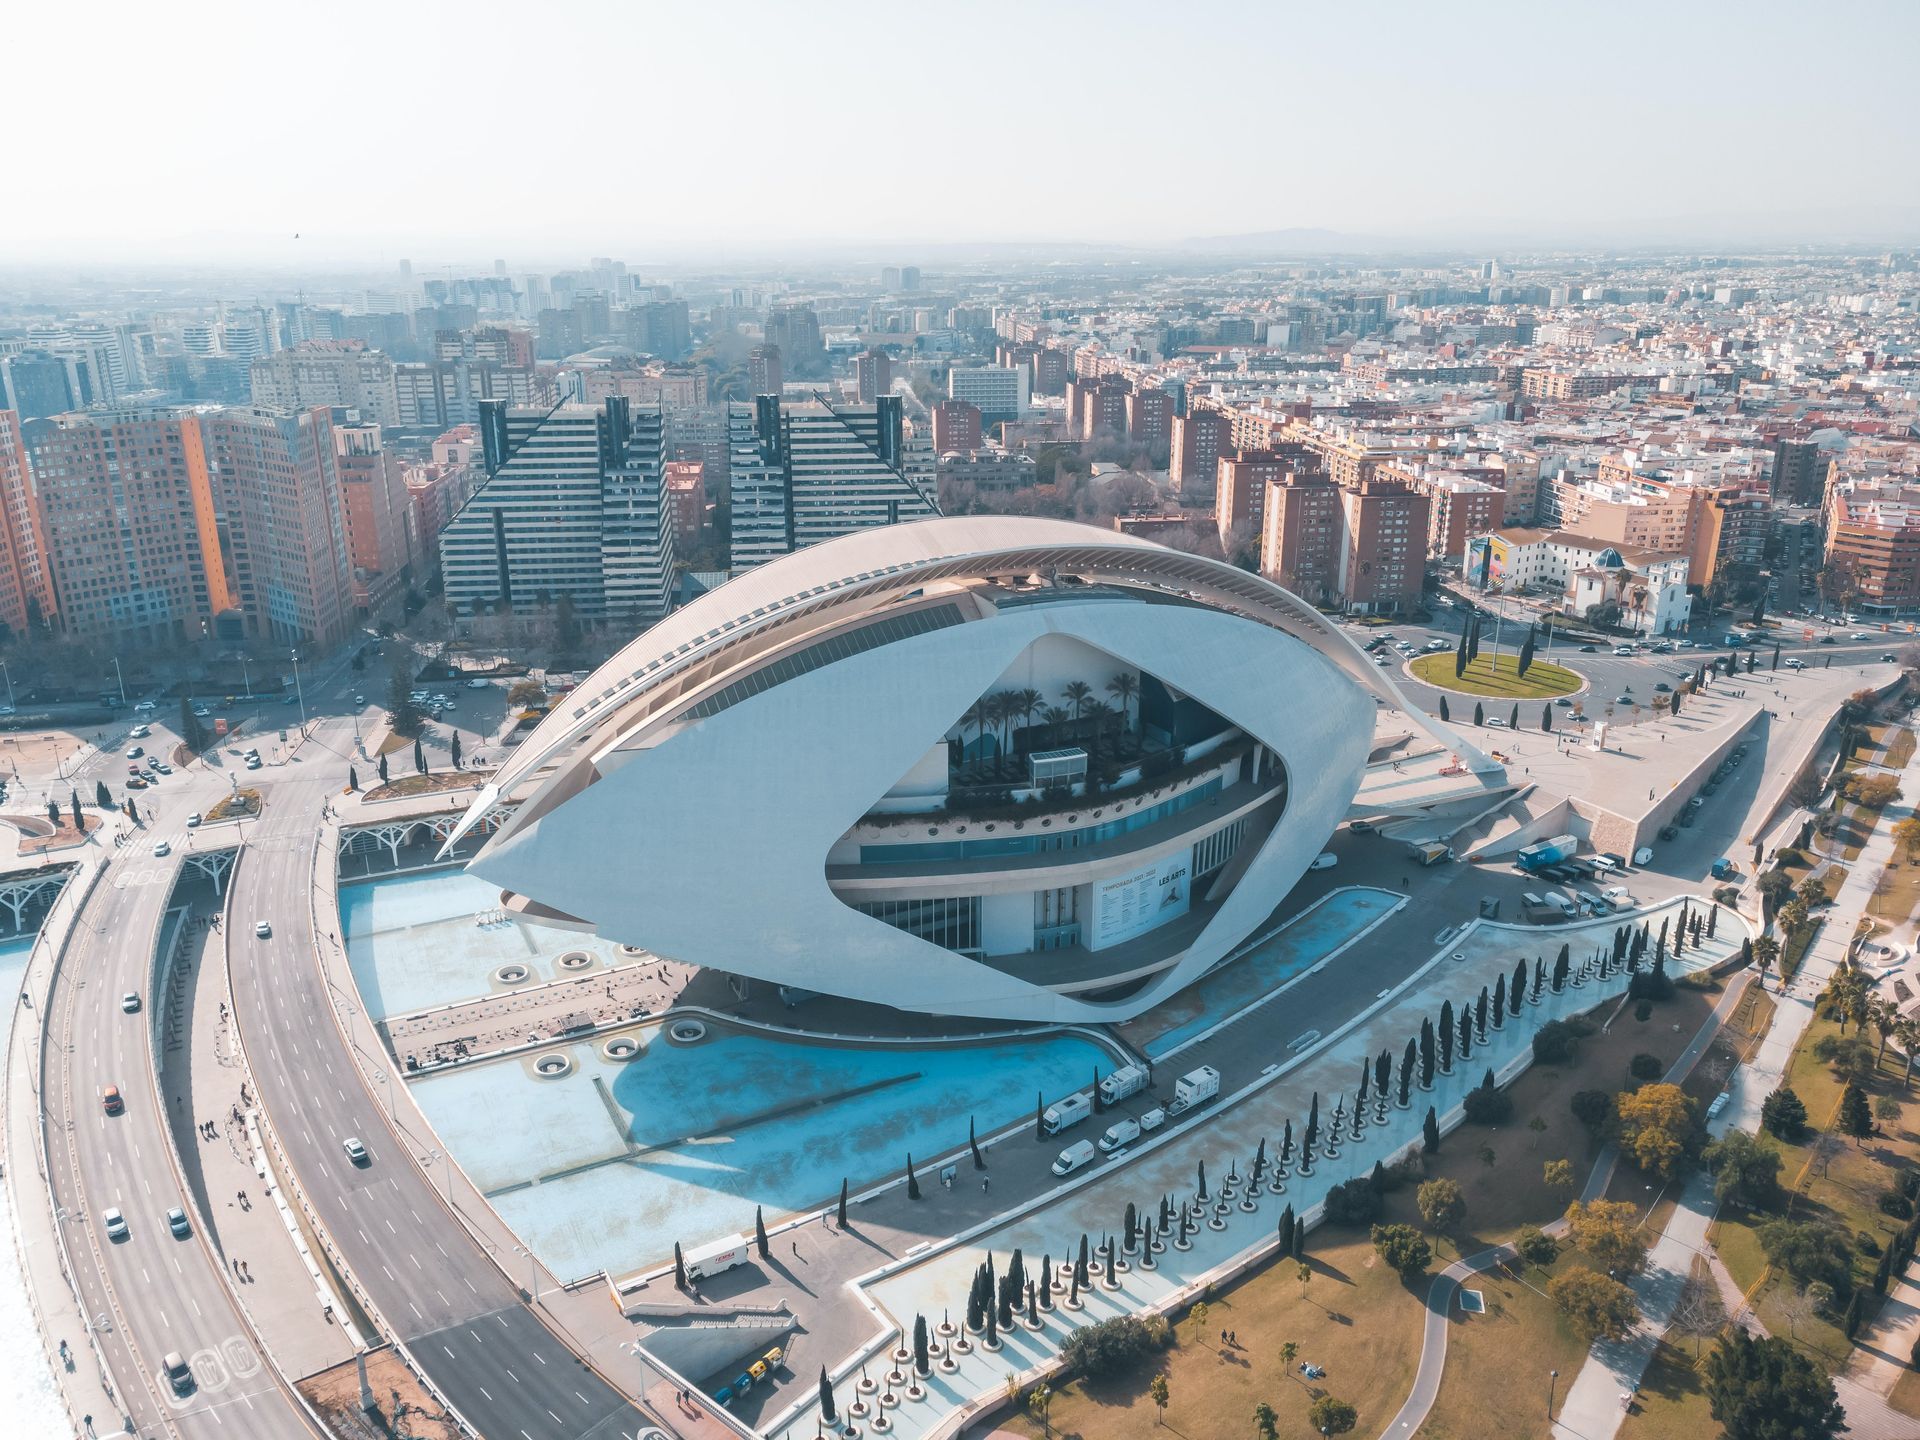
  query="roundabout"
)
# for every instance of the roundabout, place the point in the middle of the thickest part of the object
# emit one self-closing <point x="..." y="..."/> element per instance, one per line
<point x="1497" y="677"/>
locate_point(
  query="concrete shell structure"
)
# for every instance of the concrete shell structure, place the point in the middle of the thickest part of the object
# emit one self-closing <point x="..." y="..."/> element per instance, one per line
<point x="884" y="768"/>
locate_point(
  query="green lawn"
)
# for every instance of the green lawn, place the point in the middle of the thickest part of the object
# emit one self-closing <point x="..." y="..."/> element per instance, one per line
<point x="1499" y="681"/>
<point x="1672" y="1404"/>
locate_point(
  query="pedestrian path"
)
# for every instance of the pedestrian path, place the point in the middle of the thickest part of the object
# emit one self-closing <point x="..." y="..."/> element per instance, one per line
<point x="1594" y="1409"/>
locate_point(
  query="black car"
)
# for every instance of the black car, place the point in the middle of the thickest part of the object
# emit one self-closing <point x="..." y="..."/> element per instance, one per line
<point x="1589" y="649"/>
<point x="1669" y="832"/>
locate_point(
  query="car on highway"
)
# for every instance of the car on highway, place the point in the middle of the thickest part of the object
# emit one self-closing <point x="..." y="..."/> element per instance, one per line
<point x="130" y="1003"/>
<point x="1564" y="703"/>
<point x="110" y="1100"/>
<point x="177" y="1223"/>
<point x="134" y="752"/>
<point x="140" y="732"/>
<point x="193" y="820"/>
<point x="161" y="849"/>
<point x="356" y="1152"/>
<point x="262" y="929"/>
<point x="145" y="707"/>
<point x="1662" y="687"/>
<point x="179" y="1377"/>
<point x="359" y="700"/>
<point x="476" y="684"/>
<point x="1497" y="722"/>
<point x="160" y="766"/>
<point x="1589" y="649"/>
<point x="201" y="712"/>
<point x="136" y="781"/>
<point x="1796" y="663"/>
<point x="1623" y="700"/>
<point x="115" y="1222"/>
<point x="1860" y="635"/>
<point x="1826" y="640"/>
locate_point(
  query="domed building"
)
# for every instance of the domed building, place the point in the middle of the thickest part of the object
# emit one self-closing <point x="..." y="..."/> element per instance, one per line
<point x="982" y="766"/>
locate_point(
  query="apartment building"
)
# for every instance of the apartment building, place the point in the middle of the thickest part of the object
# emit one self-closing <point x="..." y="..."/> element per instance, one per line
<point x="956" y="426"/>
<point x="1198" y="440"/>
<point x="1302" y="538"/>
<point x="998" y="391"/>
<point x="1383" y="564"/>
<point x="26" y="590"/>
<point x="330" y="373"/>
<point x="382" y="544"/>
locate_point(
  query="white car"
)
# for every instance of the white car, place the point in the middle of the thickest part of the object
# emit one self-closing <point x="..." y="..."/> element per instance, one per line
<point x="145" y="707"/>
<point x="139" y="732"/>
<point x="476" y="684"/>
<point x="1795" y="664"/>
<point x="200" y="712"/>
<point x="262" y="929"/>
<point x="1325" y="860"/>
<point x="115" y="1222"/>
<point x="162" y="848"/>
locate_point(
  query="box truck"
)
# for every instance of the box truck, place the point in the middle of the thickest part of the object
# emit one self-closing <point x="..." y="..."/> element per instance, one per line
<point x="1068" y="1112"/>
<point x="1196" y="1087"/>
<point x="717" y="1257"/>
<point x="1543" y="853"/>
<point x="1127" y="1080"/>
<point x="1431" y="852"/>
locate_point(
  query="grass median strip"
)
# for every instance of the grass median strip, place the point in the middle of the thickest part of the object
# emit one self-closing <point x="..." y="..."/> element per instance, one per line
<point x="1496" y="677"/>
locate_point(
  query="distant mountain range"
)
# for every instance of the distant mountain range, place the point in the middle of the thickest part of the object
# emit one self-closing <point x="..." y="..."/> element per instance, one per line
<point x="1296" y="240"/>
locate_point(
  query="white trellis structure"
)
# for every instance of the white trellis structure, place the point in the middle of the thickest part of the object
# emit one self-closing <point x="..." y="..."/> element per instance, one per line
<point x="214" y="865"/>
<point x="391" y="836"/>
<point x="21" y="890"/>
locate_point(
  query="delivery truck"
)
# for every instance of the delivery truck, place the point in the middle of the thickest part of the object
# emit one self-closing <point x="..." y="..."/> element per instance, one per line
<point x="717" y="1257"/>
<point x="1196" y="1087"/>
<point x="1543" y="853"/>
<point x="1430" y="852"/>
<point x="1120" y="1133"/>
<point x="1063" y="1114"/>
<point x="1073" y="1157"/>
<point x="1127" y="1080"/>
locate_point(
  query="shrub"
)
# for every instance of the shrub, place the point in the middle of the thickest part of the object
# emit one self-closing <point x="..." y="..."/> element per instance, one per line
<point x="1485" y="1105"/>
<point x="1646" y="1067"/>
<point x="1114" y="1346"/>
<point x="1596" y="1307"/>
<point x="1893" y="1203"/>
<point x="1593" y="1109"/>
<point x="1441" y="1204"/>
<point x="1353" y="1202"/>
<point x="1644" y="1010"/>
<point x="1553" y="1043"/>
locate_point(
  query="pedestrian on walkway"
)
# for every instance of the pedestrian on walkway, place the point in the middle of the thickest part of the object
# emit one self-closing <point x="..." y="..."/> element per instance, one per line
<point x="986" y="1183"/>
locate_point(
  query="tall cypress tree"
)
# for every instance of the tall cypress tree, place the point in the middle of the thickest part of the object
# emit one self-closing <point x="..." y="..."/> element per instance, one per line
<point x="1430" y="1132"/>
<point x="1526" y="653"/>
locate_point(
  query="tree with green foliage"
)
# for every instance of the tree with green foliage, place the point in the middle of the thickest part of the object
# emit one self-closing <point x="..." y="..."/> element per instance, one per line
<point x="1160" y="1393"/>
<point x="1546" y="717"/>
<point x="1743" y="1165"/>
<point x="102" y="796"/>
<point x="1441" y="1205"/>
<point x="1430" y="1132"/>
<point x="1784" y="1114"/>
<point x="1535" y="1246"/>
<point x="1402" y="1248"/>
<point x="1767" y="1390"/>
<point x="1855" y="1117"/>
<point x="402" y="714"/>
<point x="1331" y="1416"/>
<point x="455" y="746"/>
<point x="1809" y="1250"/>
<point x="1479" y="713"/>
<point x="1040" y="1406"/>
<point x="1525" y="662"/>
<point x="1558" y="1175"/>
<point x="1608" y="1230"/>
<point x="192" y="733"/>
<point x="1596" y="1307"/>
<point x="1266" y="1421"/>
<point x="79" y="820"/>
<point x="1445" y="718"/>
<point x="419" y="756"/>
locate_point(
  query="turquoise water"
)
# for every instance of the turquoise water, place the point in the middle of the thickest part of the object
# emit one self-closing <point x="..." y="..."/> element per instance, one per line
<point x="413" y="941"/>
<point x="505" y="1127"/>
<point x="1307" y="939"/>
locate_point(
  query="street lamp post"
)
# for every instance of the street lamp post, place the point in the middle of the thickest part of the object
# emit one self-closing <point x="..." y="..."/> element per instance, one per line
<point x="121" y="679"/>
<point x="246" y="677"/>
<point x="1553" y="1379"/>
<point x="9" y="674"/>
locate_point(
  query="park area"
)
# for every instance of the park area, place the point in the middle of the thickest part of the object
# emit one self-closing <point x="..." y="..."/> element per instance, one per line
<point x="1497" y="677"/>
<point x="1360" y="1322"/>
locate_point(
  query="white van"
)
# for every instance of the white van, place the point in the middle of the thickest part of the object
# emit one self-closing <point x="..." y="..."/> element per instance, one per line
<point x="1119" y="1134"/>
<point x="1561" y="903"/>
<point x="1153" y="1119"/>
<point x="1325" y="860"/>
<point x="1073" y="1157"/>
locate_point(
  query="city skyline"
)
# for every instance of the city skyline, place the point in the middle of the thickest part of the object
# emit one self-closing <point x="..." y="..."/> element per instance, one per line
<point x="1501" y="126"/>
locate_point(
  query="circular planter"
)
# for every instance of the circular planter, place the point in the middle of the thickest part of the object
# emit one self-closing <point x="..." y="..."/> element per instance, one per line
<point x="620" y="1049"/>
<point x="577" y="960"/>
<point x="687" y="1032"/>
<point x="553" y="1066"/>
<point x="512" y="974"/>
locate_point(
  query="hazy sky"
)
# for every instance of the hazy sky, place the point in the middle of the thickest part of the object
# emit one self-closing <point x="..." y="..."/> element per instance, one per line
<point x="545" y="131"/>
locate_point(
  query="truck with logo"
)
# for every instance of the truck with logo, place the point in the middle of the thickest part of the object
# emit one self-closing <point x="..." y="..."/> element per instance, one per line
<point x="1196" y="1087"/>
<point x="1543" y="853"/>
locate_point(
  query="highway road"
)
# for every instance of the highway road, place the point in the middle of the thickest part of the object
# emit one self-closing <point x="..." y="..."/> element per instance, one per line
<point x="151" y="1292"/>
<point x="491" y="1355"/>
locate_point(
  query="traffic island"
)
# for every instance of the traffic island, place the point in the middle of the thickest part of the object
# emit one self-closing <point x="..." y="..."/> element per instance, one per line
<point x="1496" y="677"/>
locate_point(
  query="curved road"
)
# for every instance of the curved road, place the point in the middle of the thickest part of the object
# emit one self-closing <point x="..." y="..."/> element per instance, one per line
<point x="155" y="1293"/>
<point x="435" y="1289"/>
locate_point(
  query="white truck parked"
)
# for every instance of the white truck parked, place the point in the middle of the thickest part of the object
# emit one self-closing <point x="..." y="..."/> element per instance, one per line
<point x="1068" y="1112"/>
<point x="1196" y="1087"/>
<point x="717" y="1256"/>
<point x="1127" y="1080"/>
